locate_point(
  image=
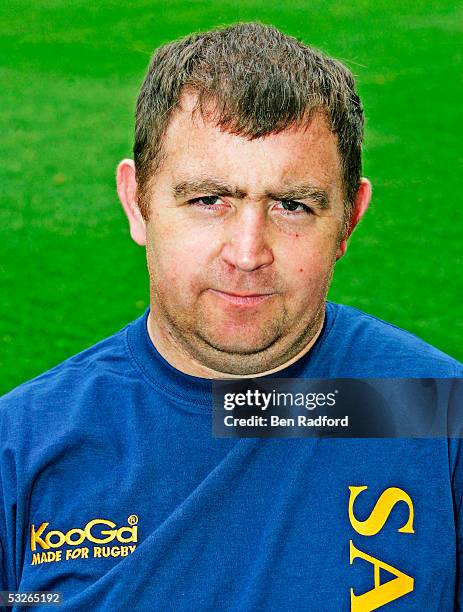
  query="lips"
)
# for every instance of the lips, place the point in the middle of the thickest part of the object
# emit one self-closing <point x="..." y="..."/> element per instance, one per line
<point x="242" y="299"/>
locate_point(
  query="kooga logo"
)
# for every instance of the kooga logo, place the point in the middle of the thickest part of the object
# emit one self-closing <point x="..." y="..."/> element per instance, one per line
<point x="92" y="532"/>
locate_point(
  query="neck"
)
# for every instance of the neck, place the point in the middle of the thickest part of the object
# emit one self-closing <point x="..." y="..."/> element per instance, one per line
<point x="176" y="355"/>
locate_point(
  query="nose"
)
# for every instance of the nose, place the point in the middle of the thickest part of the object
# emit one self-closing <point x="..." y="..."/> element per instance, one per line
<point x="246" y="247"/>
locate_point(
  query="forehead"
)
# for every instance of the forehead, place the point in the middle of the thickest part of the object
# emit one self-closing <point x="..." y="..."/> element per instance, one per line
<point x="194" y="145"/>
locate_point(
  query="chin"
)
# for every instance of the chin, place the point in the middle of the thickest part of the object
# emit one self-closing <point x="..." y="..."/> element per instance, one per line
<point x="237" y="346"/>
<point x="245" y="338"/>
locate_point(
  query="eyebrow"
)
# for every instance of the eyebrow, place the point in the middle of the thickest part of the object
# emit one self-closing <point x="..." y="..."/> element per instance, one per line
<point x="211" y="186"/>
<point x="206" y="186"/>
<point x="303" y="192"/>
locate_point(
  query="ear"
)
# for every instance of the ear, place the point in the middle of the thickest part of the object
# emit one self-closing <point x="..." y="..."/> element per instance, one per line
<point x="359" y="208"/>
<point x="127" y="191"/>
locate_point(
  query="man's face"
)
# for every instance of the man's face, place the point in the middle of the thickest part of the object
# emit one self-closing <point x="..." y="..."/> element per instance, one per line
<point x="241" y="241"/>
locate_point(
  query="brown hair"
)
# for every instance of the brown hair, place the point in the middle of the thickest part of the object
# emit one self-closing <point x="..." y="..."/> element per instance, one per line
<point x="260" y="81"/>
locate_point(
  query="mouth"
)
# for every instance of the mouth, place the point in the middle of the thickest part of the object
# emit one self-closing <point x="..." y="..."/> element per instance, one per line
<point x="242" y="299"/>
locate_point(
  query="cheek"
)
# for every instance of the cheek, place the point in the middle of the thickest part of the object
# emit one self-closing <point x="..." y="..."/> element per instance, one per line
<point x="308" y="264"/>
<point x="175" y="266"/>
<point x="302" y="255"/>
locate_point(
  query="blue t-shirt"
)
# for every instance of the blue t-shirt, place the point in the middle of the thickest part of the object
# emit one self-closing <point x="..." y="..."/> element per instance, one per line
<point x="114" y="492"/>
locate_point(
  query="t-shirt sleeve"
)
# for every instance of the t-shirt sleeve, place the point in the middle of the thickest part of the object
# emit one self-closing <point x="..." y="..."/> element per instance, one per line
<point x="456" y="458"/>
<point x="7" y="508"/>
<point x="3" y="547"/>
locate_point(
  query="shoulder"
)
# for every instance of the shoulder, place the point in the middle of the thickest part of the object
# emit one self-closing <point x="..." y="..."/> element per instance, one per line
<point x="50" y="399"/>
<point x="378" y="348"/>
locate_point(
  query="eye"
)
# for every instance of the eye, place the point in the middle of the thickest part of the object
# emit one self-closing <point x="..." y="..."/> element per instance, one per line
<point x="206" y="201"/>
<point x="209" y="205"/>
<point x="293" y="206"/>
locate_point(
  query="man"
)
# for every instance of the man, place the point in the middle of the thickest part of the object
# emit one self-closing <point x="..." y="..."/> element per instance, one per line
<point x="245" y="189"/>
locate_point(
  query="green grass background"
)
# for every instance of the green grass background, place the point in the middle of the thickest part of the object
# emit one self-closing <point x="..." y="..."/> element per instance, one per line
<point x="70" y="71"/>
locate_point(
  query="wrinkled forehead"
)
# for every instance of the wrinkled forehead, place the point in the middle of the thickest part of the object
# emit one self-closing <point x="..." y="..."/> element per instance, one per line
<point x="194" y="144"/>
